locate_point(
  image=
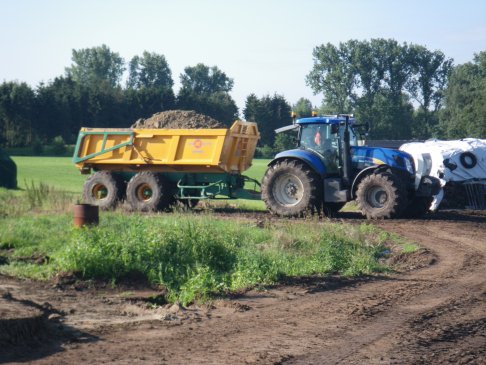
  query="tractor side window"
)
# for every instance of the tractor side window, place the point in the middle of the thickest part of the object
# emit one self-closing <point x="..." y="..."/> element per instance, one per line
<point x="319" y="137"/>
<point x="353" y="138"/>
<point x="324" y="139"/>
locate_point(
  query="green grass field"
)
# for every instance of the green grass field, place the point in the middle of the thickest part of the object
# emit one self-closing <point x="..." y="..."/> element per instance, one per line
<point x="60" y="172"/>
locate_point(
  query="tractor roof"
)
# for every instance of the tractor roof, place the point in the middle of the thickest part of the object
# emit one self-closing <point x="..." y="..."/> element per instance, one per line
<point x="325" y="119"/>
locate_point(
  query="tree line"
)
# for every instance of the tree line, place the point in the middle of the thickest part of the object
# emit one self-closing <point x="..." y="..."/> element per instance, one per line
<point x="404" y="90"/>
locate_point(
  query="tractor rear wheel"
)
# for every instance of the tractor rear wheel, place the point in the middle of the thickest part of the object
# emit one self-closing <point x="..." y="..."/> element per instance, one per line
<point x="381" y="195"/>
<point x="147" y="191"/>
<point x="102" y="189"/>
<point x="291" y="189"/>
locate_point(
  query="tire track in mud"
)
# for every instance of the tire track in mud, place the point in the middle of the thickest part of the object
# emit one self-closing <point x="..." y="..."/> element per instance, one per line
<point x="436" y="301"/>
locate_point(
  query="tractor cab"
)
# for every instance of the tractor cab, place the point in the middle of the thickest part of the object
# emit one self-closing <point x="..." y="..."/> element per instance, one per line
<point x="323" y="136"/>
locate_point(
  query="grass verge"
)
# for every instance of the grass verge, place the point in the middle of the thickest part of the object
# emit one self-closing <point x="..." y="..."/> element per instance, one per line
<point x="193" y="256"/>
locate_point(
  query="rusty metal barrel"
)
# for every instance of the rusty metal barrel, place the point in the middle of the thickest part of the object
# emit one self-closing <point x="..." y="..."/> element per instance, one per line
<point x="85" y="214"/>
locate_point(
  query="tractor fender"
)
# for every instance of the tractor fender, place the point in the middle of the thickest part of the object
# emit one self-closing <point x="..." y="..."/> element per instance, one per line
<point x="362" y="174"/>
<point x="308" y="157"/>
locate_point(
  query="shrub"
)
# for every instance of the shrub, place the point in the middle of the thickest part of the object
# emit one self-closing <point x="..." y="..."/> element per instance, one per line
<point x="37" y="147"/>
<point x="265" y="152"/>
<point x="58" y="146"/>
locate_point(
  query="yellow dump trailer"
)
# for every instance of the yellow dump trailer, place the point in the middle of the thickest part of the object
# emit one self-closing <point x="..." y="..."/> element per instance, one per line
<point x="151" y="168"/>
<point x="189" y="150"/>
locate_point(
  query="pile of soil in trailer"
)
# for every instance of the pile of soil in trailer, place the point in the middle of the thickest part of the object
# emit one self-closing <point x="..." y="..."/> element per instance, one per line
<point x="178" y="119"/>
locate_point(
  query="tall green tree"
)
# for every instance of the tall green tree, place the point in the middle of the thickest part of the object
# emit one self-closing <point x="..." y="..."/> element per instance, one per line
<point x="202" y="79"/>
<point x="149" y="71"/>
<point x="206" y="90"/>
<point x="59" y="109"/>
<point x="303" y="108"/>
<point x="17" y="117"/>
<point x="270" y="113"/>
<point x="356" y="75"/>
<point x="149" y="86"/>
<point x="465" y="100"/>
<point x="333" y="75"/>
<point x="96" y="65"/>
<point x="426" y="87"/>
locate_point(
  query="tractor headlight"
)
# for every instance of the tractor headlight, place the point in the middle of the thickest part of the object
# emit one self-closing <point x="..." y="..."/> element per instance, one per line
<point x="409" y="165"/>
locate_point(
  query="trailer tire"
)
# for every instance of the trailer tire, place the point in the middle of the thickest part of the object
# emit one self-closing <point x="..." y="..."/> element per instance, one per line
<point x="418" y="207"/>
<point x="102" y="189"/>
<point x="147" y="192"/>
<point x="291" y="189"/>
<point x="468" y="159"/>
<point x="381" y="195"/>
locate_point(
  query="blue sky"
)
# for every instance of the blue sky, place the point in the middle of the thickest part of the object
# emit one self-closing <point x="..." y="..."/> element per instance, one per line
<point x="265" y="46"/>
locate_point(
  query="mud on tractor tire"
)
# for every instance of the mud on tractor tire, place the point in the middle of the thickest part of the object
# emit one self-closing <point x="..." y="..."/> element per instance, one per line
<point x="291" y="189"/>
<point x="103" y="189"/>
<point x="381" y="195"/>
<point x="147" y="191"/>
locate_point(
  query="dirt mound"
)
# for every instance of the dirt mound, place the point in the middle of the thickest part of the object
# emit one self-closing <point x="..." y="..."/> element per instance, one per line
<point x="413" y="260"/>
<point x="174" y="119"/>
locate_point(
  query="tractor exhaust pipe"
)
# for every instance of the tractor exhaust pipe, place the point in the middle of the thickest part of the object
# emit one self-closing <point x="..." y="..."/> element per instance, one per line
<point x="346" y="154"/>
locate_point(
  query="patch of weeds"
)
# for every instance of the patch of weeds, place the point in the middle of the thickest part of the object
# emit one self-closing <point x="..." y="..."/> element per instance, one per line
<point x="194" y="257"/>
<point x="409" y="247"/>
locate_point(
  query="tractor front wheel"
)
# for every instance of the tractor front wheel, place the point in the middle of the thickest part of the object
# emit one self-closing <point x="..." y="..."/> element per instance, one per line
<point x="380" y="196"/>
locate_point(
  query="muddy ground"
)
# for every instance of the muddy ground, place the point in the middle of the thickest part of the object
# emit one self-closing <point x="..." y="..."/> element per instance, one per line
<point x="431" y="311"/>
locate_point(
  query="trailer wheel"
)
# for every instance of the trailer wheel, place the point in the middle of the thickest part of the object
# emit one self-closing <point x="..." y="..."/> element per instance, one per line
<point x="418" y="207"/>
<point x="147" y="192"/>
<point x="381" y="196"/>
<point x="102" y="189"/>
<point x="291" y="189"/>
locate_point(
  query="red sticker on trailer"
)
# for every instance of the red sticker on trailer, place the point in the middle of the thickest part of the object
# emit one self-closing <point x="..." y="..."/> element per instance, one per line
<point x="197" y="143"/>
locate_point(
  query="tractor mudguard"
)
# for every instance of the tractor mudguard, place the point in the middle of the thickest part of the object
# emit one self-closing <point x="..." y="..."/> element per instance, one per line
<point x="360" y="176"/>
<point x="308" y="157"/>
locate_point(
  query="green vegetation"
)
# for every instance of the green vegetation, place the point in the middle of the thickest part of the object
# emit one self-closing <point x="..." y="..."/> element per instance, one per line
<point x="378" y="80"/>
<point x="193" y="257"/>
<point x="58" y="172"/>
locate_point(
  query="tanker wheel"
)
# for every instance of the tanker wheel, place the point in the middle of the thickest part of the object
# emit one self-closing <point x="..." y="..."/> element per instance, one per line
<point x="291" y="189"/>
<point x="380" y="196"/>
<point x="102" y="189"/>
<point x="147" y="192"/>
<point x="418" y="207"/>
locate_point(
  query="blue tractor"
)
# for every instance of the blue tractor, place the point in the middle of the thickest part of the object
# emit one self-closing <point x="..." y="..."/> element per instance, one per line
<point x="329" y="168"/>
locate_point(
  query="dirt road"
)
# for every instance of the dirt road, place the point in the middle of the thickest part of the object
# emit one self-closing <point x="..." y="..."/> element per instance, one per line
<point x="433" y="312"/>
